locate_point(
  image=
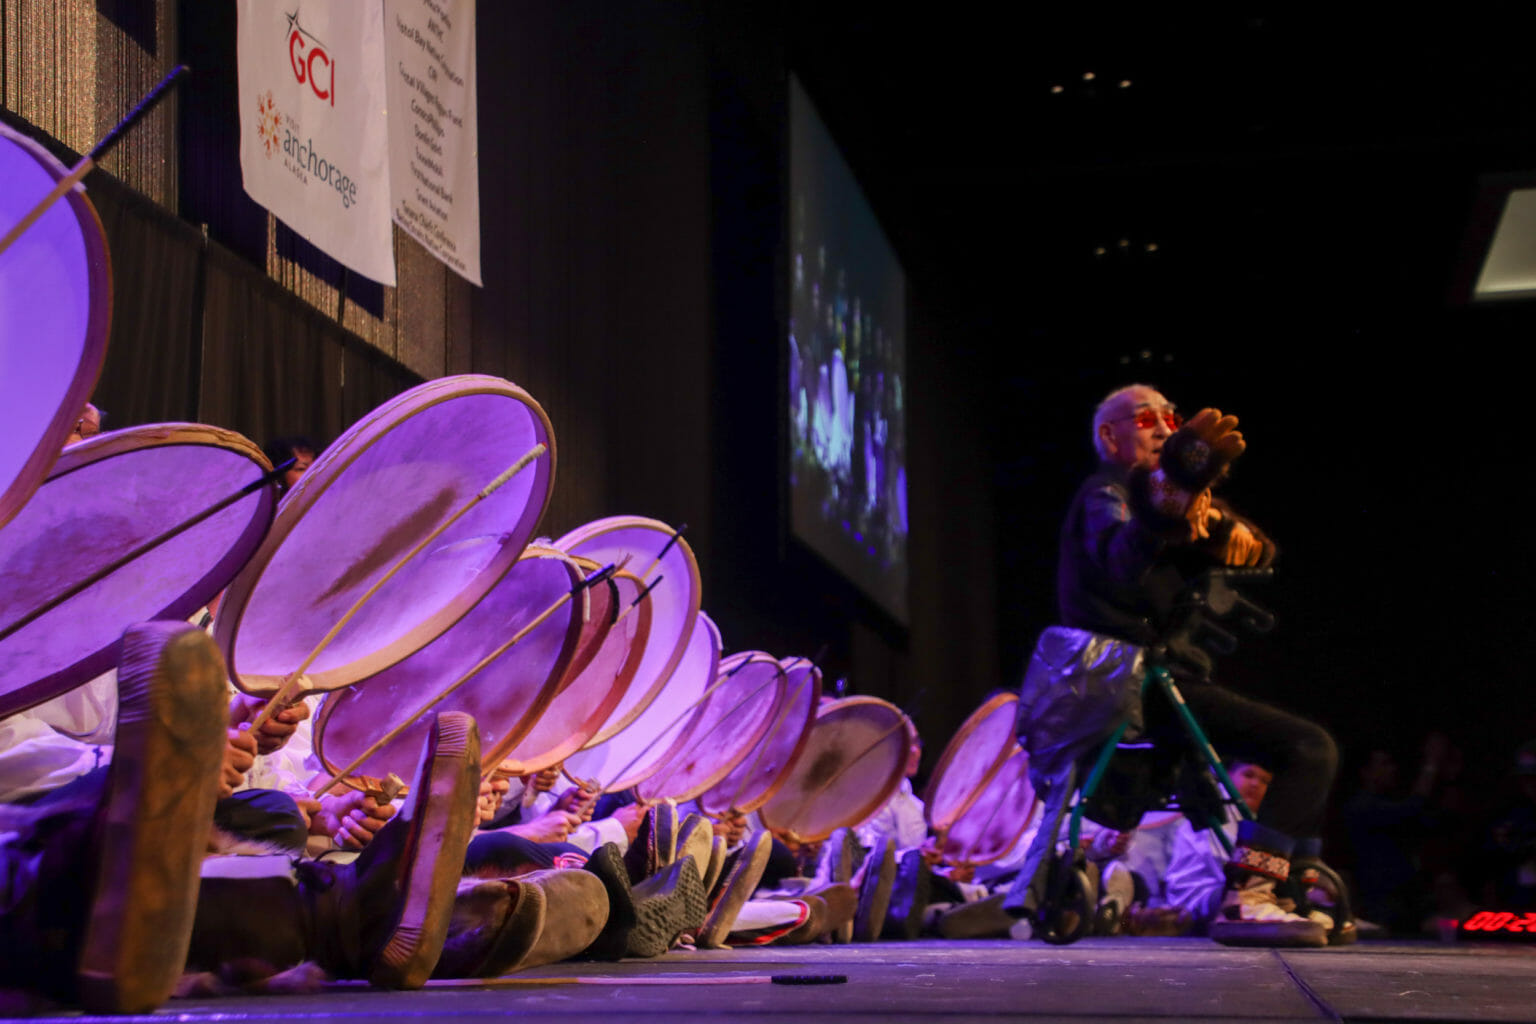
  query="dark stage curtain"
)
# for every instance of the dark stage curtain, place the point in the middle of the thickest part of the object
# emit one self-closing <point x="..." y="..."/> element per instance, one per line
<point x="199" y="334"/>
<point x="150" y="371"/>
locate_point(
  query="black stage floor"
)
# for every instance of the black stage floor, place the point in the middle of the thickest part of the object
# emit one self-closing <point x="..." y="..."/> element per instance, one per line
<point x="1094" y="980"/>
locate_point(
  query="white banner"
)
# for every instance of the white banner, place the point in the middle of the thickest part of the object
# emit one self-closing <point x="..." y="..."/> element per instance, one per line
<point x="433" y="138"/>
<point x="313" y="131"/>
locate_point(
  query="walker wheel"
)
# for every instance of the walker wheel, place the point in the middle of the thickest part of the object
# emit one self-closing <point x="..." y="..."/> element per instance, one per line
<point x="1069" y="911"/>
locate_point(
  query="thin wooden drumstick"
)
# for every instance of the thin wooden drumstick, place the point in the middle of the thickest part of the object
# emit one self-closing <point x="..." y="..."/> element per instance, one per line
<point x="902" y="724"/>
<point x="676" y="536"/>
<point x="88" y="161"/>
<point x="452" y="687"/>
<point x="279" y="699"/>
<point x="759" y="688"/>
<point x="154" y="542"/>
<point x="773" y="732"/>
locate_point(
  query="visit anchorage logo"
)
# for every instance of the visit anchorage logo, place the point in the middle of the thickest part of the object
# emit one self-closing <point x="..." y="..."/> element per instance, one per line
<point x="277" y="130"/>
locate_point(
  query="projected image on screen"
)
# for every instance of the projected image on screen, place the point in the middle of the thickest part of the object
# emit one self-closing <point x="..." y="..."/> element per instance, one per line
<point x="847" y="404"/>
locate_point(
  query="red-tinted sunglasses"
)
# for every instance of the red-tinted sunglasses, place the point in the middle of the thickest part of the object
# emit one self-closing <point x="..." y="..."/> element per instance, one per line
<point x="1146" y="419"/>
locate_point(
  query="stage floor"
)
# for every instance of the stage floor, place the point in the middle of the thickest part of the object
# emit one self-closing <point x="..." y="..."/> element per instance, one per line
<point x="1094" y="980"/>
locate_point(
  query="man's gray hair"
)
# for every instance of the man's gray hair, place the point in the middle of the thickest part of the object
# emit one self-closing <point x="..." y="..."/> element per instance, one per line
<point x="1102" y="414"/>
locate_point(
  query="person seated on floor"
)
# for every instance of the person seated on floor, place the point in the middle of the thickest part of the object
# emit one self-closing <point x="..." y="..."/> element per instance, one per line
<point x="1198" y="872"/>
<point x="517" y="836"/>
<point x="300" y="449"/>
<point x="101" y="898"/>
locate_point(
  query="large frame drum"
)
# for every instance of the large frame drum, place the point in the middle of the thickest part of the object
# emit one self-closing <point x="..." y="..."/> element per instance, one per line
<point x="372" y="497"/>
<point x="55" y="314"/>
<point x="853" y="763"/>
<point x="107" y="496"/>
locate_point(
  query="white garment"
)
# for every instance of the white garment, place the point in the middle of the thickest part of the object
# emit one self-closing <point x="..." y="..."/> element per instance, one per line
<point x="1196" y="879"/>
<point x="58" y="741"/>
<point x="1152" y="851"/>
<point x="901" y="819"/>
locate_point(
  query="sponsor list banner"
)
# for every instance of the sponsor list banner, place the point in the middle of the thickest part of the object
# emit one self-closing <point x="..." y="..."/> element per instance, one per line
<point x="429" y="48"/>
<point x="313" y="132"/>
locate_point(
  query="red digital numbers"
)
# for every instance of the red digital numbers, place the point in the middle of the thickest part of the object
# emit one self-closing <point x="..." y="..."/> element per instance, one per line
<point x="1501" y="921"/>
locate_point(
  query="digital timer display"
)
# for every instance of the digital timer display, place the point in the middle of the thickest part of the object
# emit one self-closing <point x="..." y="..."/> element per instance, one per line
<point x="1500" y="924"/>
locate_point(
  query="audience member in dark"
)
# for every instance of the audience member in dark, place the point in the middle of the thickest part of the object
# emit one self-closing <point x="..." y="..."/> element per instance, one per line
<point x="1511" y="843"/>
<point x="1388" y="828"/>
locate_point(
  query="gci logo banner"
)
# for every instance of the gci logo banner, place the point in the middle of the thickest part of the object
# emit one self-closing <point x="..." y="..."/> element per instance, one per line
<point x="314" y="143"/>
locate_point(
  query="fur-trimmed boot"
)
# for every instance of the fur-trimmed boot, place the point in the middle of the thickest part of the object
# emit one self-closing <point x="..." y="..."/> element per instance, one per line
<point x="1251" y="914"/>
<point x="98" y="880"/>
<point x="383" y="916"/>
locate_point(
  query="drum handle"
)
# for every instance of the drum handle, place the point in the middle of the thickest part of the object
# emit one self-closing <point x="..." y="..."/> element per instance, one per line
<point x="279" y="699"/>
<point x="449" y="690"/>
<point x="88" y="161"/>
<point x="773" y="732"/>
<point x="727" y="716"/>
<point x="102" y="573"/>
<point x="670" y="725"/>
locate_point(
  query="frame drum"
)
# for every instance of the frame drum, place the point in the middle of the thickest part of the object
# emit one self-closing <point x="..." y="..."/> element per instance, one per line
<point x="758" y="776"/>
<point x="661" y="727"/>
<point x="505" y="696"/>
<point x="367" y="501"/>
<point x="852" y="764"/>
<point x="598" y="679"/>
<point x="55" y="313"/>
<point x="106" y="496"/>
<point x="996" y="818"/>
<point x="973" y="755"/>
<point x="750" y="693"/>
<point x="660" y="556"/>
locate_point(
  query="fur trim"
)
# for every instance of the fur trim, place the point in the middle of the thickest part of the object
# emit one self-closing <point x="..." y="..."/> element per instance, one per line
<point x="227" y="844"/>
<point x="252" y="977"/>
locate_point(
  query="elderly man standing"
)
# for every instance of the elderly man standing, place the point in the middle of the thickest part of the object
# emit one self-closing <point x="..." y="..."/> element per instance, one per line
<point x="1139" y="530"/>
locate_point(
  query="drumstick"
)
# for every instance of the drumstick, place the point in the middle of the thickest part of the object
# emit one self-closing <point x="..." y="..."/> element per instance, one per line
<point x="667" y="728"/>
<point x="88" y="161"/>
<point x="279" y="699"/>
<point x="676" y="536"/>
<point x="773" y="732"/>
<point x="154" y="542"/>
<point x="902" y="724"/>
<point x="449" y="690"/>
<point x="723" y="719"/>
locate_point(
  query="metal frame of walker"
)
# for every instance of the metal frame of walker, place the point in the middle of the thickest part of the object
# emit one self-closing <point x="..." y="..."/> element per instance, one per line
<point x="1195" y="733"/>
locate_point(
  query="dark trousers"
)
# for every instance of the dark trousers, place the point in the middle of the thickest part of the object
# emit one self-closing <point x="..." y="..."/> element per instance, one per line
<point x="1302" y="756"/>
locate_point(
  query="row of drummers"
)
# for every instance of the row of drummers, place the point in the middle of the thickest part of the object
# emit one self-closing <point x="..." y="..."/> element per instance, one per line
<point x="397" y="578"/>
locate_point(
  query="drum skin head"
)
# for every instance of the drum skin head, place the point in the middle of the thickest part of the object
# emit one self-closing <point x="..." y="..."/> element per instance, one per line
<point x="55" y="314"/>
<point x="107" y="496"/>
<point x="852" y="764"/>
<point x="506" y="695"/>
<point x="675" y="595"/>
<point x="661" y="727"/>
<point x="758" y="775"/>
<point x="734" y="718"/>
<point x="370" y="499"/>
<point x="973" y="755"/>
<point x="597" y="680"/>
<point x="996" y="818"/>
